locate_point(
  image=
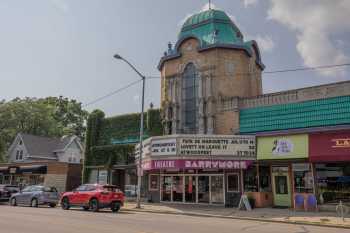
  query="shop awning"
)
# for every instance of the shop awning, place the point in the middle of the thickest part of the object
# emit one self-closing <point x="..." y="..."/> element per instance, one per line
<point x="34" y="169"/>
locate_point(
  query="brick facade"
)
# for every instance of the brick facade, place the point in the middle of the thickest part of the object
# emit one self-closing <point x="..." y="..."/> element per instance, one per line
<point x="223" y="74"/>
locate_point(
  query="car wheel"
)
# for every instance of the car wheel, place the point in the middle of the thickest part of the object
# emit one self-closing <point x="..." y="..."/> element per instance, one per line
<point x="94" y="206"/>
<point x="86" y="208"/>
<point x="34" y="202"/>
<point x="65" y="203"/>
<point x="52" y="205"/>
<point x="13" y="201"/>
<point x="115" y="207"/>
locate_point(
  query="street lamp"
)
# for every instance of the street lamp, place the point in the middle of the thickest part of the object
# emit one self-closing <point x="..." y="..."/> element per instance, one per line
<point x="139" y="173"/>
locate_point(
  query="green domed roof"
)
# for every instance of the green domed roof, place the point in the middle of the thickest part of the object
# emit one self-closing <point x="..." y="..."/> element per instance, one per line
<point x="212" y="27"/>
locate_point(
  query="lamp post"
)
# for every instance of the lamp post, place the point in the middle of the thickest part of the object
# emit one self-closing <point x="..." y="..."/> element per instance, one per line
<point x="139" y="173"/>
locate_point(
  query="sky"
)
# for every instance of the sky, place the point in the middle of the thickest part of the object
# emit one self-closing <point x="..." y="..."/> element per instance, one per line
<point x="66" y="47"/>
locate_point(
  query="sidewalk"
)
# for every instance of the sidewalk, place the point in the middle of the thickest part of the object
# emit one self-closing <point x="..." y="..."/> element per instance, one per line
<point x="260" y="214"/>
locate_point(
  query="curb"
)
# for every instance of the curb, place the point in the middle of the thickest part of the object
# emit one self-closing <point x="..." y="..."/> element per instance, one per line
<point x="240" y="218"/>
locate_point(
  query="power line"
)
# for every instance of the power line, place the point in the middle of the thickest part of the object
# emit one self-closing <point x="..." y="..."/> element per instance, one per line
<point x="250" y="73"/>
<point x="306" y="68"/>
<point x="111" y="93"/>
<point x="284" y="71"/>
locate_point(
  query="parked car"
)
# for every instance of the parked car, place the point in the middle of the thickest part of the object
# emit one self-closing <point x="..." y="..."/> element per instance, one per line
<point x="130" y="190"/>
<point x="94" y="197"/>
<point x="36" y="195"/>
<point x="6" y="191"/>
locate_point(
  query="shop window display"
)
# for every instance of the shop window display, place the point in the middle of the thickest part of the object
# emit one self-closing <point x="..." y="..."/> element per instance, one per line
<point x="264" y="179"/>
<point x="333" y="182"/>
<point x="250" y="180"/>
<point x="153" y="182"/>
<point x="177" y="188"/>
<point x="303" y="180"/>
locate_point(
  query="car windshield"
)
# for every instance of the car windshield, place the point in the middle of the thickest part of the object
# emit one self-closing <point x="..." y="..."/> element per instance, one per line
<point x="27" y="189"/>
<point x="11" y="188"/>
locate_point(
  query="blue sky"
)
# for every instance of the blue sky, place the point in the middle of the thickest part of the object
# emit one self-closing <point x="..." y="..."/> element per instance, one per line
<point x="66" y="47"/>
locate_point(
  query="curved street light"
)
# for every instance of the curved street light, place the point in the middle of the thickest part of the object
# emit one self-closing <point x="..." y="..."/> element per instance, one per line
<point x="139" y="172"/>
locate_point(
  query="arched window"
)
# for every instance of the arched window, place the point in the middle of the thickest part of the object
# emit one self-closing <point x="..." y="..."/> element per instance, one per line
<point x="189" y="99"/>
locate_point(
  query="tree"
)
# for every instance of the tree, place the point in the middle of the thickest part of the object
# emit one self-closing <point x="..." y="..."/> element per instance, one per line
<point x="49" y="116"/>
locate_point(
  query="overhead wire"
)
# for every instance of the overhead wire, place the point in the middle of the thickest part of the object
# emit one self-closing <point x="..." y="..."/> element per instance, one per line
<point x="248" y="73"/>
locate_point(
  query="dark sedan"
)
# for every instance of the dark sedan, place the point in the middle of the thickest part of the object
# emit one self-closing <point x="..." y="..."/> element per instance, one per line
<point x="6" y="191"/>
<point x="36" y="195"/>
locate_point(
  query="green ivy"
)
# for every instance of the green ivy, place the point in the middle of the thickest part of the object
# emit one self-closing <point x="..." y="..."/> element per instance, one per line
<point x="99" y="150"/>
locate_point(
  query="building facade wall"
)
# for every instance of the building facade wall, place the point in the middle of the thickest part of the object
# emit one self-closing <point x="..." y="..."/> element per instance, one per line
<point x="222" y="73"/>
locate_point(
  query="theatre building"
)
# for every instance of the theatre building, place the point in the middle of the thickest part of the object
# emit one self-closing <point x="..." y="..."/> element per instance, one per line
<point x="197" y="168"/>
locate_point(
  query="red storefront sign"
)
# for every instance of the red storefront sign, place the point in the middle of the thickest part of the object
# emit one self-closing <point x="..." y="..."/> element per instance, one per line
<point x="196" y="164"/>
<point x="329" y="147"/>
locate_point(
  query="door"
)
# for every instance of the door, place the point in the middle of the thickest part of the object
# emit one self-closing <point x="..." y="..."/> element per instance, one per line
<point x="203" y="189"/>
<point x="166" y="188"/>
<point x="217" y="189"/>
<point x="190" y="189"/>
<point x="281" y="187"/>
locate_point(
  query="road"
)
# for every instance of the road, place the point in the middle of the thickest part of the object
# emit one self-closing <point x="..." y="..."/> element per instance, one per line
<point x="47" y="220"/>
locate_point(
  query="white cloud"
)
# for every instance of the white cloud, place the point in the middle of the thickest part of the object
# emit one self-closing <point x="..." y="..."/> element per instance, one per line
<point x="248" y="3"/>
<point x="265" y="43"/>
<point x="60" y="5"/>
<point x="318" y="26"/>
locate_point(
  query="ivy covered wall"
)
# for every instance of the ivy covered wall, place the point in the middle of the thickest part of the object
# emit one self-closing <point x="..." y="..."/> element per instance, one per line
<point x="111" y="141"/>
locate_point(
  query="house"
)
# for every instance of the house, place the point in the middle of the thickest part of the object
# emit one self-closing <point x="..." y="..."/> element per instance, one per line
<point x="31" y="148"/>
<point x="33" y="160"/>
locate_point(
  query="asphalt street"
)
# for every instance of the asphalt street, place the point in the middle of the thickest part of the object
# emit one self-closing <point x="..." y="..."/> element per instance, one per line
<point x="47" y="220"/>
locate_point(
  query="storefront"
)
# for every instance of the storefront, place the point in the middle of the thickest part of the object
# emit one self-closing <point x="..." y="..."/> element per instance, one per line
<point x="197" y="169"/>
<point x="63" y="176"/>
<point x="291" y="173"/>
<point x="330" y="153"/>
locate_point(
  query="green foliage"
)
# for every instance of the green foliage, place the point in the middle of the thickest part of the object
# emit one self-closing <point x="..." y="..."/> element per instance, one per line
<point x="154" y="122"/>
<point x="101" y="131"/>
<point x="119" y="127"/>
<point x="92" y="134"/>
<point x="113" y="154"/>
<point x="49" y="116"/>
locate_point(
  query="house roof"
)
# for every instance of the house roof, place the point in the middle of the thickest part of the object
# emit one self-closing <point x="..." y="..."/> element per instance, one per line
<point x="44" y="146"/>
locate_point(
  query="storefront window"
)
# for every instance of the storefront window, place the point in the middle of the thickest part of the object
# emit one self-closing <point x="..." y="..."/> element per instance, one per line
<point x="333" y="182"/>
<point x="250" y="180"/>
<point x="166" y="188"/>
<point x="177" y="188"/>
<point x="233" y="182"/>
<point x="303" y="180"/>
<point x="264" y="179"/>
<point x="281" y="184"/>
<point x="153" y="182"/>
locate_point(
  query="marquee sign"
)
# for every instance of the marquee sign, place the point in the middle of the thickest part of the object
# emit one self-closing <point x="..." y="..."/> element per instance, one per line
<point x="196" y="164"/>
<point x="233" y="146"/>
<point x="237" y="146"/>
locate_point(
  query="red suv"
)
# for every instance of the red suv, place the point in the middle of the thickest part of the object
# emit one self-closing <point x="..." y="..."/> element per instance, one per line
<point x="94" y="197"/>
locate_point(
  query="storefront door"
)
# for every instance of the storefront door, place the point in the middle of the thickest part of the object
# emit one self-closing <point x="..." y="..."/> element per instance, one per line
<point x="281" y="186"/>
<point x="166" y="188"/>
<point x="203" y="189"/>
<point x="190" y="189"/>
<point x="217" y="189"/>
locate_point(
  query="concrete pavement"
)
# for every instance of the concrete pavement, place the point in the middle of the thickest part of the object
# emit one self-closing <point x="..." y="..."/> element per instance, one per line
<point x="44" y="220"/>
<point x="259" y="214"/>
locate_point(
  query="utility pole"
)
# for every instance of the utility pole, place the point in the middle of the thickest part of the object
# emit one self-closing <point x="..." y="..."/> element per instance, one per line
<point x="139" y="165"/>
